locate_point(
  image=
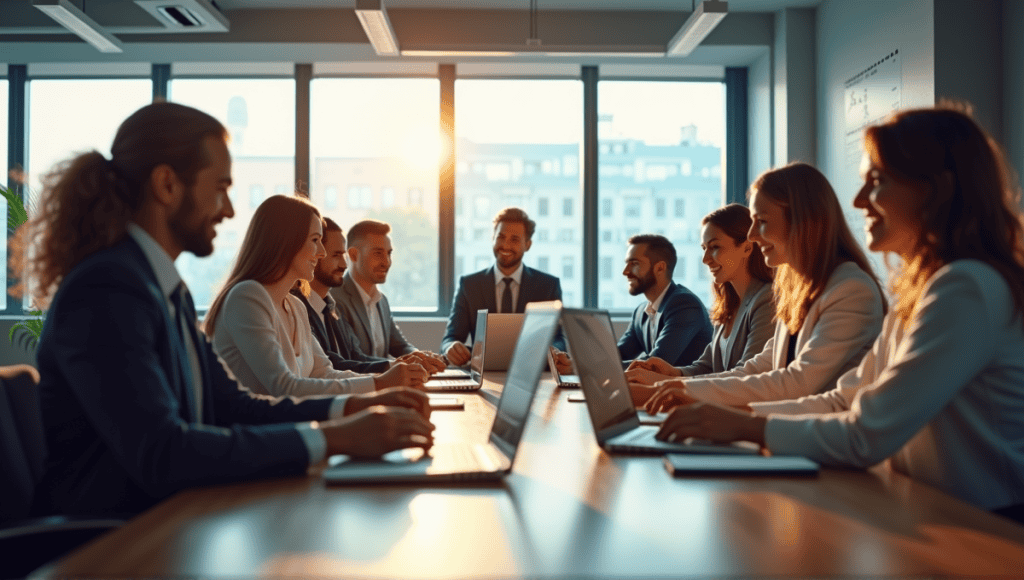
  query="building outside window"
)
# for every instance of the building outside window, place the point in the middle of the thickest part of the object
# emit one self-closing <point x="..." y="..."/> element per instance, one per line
<point x="391" y="139"/>
<point x="669" y="149"/>
<point x="529" y="155"/>
<point x="256" y="112"/>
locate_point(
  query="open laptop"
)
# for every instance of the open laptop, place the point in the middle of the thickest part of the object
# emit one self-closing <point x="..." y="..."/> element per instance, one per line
<point x="502" y="332"/>
<point x="616" y="423"/>
<point x="472" y="461"/>
<point x="573" y="381"/>
<point x="475" y="379"/>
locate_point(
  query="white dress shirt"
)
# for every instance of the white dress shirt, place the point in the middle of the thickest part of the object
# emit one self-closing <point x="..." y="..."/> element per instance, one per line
<point x="318" y="305"/>
<point x="653" y="316"/>
<point x="380" y="350"/>
<point x="942" y="397"/>
<point x="499" y="285"/>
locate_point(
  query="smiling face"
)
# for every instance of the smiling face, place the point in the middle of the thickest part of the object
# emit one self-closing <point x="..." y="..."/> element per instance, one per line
<point x="330" y="270"/>
<point x="204" y="204"/>
<point x="510" y="244"/>
<point x="371" y="258"/>
<point x="891" y="210"/>
<point x="639" y="272"/>
<point x="312" y="249"/>
<point x="770" y="230"/>
<point x="725" y="259"/>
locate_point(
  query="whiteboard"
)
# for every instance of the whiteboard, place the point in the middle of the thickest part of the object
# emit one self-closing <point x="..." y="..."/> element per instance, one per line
<point x="870" y="96"/>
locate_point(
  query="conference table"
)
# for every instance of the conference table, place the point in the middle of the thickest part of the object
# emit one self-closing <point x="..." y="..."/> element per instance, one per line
<point x="567" y="509"/>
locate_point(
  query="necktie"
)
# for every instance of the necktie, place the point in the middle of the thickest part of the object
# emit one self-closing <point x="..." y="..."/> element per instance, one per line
<point x="652" y="327"/>
<point x="185" y="316"/>
<point x="506" y="295"/>
<point x="332" y="338"/>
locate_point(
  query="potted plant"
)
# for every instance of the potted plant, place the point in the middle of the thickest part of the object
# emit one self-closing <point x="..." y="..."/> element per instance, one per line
<point x="24" y="333"/>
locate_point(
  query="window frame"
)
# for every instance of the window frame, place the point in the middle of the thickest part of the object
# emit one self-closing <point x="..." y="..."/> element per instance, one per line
<point x="734" y="180"/>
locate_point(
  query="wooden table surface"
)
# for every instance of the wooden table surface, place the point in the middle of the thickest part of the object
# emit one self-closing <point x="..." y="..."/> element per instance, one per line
<point x="568" y="508"/>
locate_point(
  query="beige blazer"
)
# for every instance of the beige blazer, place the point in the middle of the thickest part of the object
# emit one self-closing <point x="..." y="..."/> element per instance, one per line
<point x="751" y="330"/>
<point x="839" y="329"/>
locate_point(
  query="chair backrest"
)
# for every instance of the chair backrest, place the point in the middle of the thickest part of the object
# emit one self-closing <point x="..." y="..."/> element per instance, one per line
<point x="22" y="443"/>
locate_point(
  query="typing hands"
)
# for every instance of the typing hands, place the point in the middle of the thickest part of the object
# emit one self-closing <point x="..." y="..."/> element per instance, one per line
<point x="402" y="374"/>
<point x="433" y="363"/>
<point x="712" y="422"/>
<point x="458" y="354"/>
<point x="666" y="395"/>
<point x="655" y="365"/>
<point x="378" y="429"/>
<point x="562" y="362"/>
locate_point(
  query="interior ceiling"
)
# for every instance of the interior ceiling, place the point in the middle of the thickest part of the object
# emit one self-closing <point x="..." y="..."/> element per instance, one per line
<point x="597" y="31"/>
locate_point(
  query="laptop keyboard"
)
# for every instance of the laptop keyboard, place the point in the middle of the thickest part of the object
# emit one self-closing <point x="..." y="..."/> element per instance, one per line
<point x="453" y="384"/>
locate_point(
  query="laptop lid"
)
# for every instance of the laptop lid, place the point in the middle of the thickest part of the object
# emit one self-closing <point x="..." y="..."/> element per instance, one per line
<point x="479" y="352"/>
<point x="561" y="379"/>
<point x="538" y="330"/>
<point x="502" y="331"/>
<point x="596" y="356"/>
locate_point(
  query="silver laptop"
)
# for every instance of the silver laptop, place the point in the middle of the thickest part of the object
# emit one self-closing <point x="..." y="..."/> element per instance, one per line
<point x="572" y="381"/>
<point x="471" y="461"/>
<point x="475" y="379"/>
<point x="502" y="332"/>
<point x="616" y="424"/>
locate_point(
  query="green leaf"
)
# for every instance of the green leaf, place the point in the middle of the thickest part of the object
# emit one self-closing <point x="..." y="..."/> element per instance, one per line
<point x="17" y="214"/>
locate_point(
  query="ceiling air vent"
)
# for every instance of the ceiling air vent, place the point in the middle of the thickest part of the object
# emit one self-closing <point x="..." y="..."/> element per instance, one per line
<point x="179" y="16"/>
<point x="186" y="15"/>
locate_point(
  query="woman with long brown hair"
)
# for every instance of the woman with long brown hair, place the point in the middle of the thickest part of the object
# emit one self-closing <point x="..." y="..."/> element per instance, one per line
<point x="828" y="303"/>
<point x="742" y="308"/>
<point x="262" y="332"/>
<point x="942" y="392"/>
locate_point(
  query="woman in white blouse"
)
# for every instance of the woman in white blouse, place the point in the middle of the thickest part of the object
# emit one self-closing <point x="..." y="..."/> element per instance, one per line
<point x="941" y="394"/>
<point x="742" y="310"/>
<point x="828" y="303"/>
<point x="262" y="332"/>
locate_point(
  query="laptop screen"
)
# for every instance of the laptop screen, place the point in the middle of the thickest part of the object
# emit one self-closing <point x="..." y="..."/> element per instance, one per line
<point x="476" y="361"/>
<point x="596" y="356"/>
<point x="524" y="375"/>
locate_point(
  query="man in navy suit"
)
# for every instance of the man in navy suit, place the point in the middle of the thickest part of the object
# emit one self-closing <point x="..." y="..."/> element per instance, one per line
<point x="673" y="324"/>
<point x="135" y="404"/>
<point x="507" y="286"/>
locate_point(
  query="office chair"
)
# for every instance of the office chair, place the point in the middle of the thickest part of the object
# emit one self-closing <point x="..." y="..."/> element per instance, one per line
<point x="26" y="542"/>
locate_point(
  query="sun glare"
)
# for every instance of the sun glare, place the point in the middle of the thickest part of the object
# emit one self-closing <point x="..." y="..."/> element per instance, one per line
<point x="422" y="148"/>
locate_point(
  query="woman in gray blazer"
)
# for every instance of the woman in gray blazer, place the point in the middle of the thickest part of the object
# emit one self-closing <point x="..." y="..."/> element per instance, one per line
<point x="828" y="303"/>
<point x="941" y="393"/>
<point x="742" y="310"/>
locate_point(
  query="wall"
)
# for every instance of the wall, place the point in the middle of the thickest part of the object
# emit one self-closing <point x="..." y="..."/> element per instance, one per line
<point x="794" y="87"/>
<point x="969" y="58"/>
<point x="850" y="36"/>
<point x="1013" y="84"/>
<point x="760" y="133"/>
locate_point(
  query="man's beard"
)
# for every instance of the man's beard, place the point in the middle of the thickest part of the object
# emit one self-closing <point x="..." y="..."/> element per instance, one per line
<point x="643" y="284"/>
<point x="513" y="263"/>
<point x="191" y="236"/>
<point x="327" y="278"/>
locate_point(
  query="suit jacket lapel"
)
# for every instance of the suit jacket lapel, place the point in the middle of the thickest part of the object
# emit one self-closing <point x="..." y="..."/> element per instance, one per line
<point x="489" y="291"/>
<point x="524" y="283"/>
<point x="356" y="300"/>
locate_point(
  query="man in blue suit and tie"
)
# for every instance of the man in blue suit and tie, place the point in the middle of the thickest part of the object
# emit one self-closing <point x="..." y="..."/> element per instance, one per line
<point x="507" y="286"/>
<point x="135" y="404"/>
<point x="673" y="324"/>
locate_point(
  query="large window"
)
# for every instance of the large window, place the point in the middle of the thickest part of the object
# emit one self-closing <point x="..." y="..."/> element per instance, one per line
<point x="518" y="145"/>
<point x="68" y="117"/>
<point x="4" y="180"/>
<point x="375" y="149"/>
<point x="660" y="172"/>
<point x="260" y="117"/>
